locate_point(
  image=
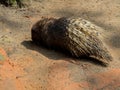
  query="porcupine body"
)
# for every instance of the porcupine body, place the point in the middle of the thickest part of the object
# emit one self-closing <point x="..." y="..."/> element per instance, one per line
<point x="78" y="36"/>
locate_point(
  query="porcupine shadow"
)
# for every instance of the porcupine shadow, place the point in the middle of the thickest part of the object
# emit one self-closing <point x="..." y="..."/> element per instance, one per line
<point x="59" y="54"/>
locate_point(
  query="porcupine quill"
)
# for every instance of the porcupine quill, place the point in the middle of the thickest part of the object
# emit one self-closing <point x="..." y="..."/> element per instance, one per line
<point x="76" y="35"/>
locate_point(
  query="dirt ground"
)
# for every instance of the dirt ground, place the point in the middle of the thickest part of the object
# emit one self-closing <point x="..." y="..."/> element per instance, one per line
<point x="25" y="66"/>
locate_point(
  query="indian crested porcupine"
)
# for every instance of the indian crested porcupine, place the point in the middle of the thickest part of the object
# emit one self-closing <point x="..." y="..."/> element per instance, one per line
<point x="76" y="35"/>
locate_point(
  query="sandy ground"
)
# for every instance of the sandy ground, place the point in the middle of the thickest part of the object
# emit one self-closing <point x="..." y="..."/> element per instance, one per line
<point x="25" y="66"/>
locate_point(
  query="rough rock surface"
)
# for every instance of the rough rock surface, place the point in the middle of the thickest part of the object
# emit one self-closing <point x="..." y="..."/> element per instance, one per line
<point x="32" y="67"/>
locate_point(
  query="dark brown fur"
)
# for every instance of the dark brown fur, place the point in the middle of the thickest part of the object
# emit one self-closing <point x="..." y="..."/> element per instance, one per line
<point x="77" y="36"/>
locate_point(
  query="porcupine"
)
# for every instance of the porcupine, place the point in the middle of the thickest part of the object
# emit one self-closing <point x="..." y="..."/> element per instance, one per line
<point x="76" y="35"/>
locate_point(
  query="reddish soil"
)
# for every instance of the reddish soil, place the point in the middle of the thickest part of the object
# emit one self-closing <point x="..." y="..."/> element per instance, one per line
<point x="26" y="66"/>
